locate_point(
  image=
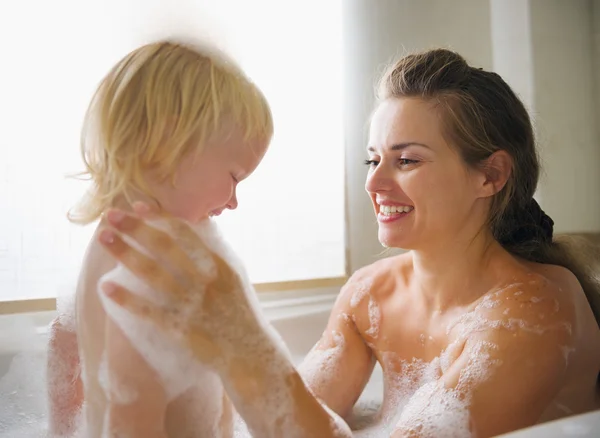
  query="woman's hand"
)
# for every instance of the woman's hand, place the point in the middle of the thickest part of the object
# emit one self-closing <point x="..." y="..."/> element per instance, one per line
<point x="206" y="305"/>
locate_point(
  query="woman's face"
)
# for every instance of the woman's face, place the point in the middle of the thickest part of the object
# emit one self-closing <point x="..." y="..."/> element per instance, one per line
<point x="206" y="185"/>
<point x="422" y="191"/>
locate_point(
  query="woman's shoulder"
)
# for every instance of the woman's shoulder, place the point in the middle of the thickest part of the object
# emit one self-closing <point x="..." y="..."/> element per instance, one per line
<point x="382" y="275"/>
<point x="536" y="299"/>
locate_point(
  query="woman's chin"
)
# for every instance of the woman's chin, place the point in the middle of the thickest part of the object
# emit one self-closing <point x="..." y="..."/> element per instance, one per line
<point x="393" y="240"/>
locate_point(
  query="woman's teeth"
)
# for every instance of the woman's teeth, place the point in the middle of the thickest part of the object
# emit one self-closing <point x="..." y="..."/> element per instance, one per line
<point x="391" y="209"/>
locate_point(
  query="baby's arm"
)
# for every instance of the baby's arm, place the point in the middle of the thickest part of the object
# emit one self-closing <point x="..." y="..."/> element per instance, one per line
<point x="137" y="401"/>
<point x="65" y="388"/>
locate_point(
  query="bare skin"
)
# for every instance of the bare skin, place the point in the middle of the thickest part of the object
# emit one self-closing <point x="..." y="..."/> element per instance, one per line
<point x="157" y="416"/>
<point x="548" y="362"/>
<point x="209" y="327"/>
<point x="204" y="186"/>
<point x="516" y="341"/>
<point x="534" y="383"/>
<point x="65" y="386"/>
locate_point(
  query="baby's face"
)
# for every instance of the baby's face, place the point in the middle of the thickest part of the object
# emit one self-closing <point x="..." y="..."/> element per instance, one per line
<point x="207" y="185"/>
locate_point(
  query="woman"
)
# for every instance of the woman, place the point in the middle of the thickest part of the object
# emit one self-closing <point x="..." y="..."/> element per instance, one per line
<point x="481" y="328"/>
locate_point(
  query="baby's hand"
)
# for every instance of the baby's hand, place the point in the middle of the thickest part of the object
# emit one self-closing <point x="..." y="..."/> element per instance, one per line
<point x="204" y="304"/>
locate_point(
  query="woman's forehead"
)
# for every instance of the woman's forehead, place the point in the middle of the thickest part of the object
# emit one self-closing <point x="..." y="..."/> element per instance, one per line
<point x="403" y="121"/>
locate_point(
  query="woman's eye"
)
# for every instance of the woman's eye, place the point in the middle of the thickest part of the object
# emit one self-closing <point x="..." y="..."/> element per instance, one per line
<point x="402" y="162"/>
<point x="406" y="162"/>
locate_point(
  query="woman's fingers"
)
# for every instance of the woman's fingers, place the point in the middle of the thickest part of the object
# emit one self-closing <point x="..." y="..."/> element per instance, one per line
<point x="227" y="278"/>
<point x="181" y="229"/>
<point x="137" y="305"/>
<point x="141" y="265"/>
<point x="201" y="343"/>
<point x="159" y="243"/>
<point x="185" y="237"/>
<point x="145" y="210"/>
<point x="184" y="234"/>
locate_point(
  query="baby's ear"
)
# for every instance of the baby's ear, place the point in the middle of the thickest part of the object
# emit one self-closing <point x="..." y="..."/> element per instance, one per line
<point x="496" y="169"/>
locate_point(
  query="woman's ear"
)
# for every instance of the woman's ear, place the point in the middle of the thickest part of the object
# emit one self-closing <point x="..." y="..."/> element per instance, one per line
<point x="496" y="170"/>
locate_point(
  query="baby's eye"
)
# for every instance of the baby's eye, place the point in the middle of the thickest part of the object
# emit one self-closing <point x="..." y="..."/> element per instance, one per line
<point x="371" y="163"/>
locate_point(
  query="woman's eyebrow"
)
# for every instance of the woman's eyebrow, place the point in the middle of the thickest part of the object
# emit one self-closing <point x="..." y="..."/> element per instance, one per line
<point x="400" y="146"/>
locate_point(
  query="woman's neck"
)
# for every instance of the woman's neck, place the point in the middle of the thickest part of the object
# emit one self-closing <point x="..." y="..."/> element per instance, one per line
<point x="455" y="272"/>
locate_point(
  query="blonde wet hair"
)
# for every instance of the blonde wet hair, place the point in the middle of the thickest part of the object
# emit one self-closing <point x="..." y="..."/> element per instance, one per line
<point x="159" y="103"/>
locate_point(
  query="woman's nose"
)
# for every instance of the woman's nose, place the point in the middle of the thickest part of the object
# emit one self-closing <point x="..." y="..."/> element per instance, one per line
<point x="378" y="180"/>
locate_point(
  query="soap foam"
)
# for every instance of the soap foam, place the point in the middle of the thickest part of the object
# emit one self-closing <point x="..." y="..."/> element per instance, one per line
<point x="374" y="318"/>
<point x="361" y="290"/>
<point x="319" y="363"/>
<point x="174" y="362"/>
<point x="435" y="411"/>
<point x="415" y="398"/>
<point x="25" y="383"/>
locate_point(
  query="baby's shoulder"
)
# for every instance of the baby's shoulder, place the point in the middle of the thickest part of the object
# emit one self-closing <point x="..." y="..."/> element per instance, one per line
<point x="96" y="262"/>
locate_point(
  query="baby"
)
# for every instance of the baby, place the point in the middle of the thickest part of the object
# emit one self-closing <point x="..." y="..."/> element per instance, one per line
<point x="179" y="126"/>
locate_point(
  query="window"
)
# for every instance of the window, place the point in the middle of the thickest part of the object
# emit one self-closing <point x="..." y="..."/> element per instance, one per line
<point x="290" y="223"/>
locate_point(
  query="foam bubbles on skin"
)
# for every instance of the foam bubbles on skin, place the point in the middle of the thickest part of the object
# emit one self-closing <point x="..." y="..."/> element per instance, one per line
<point x="473" y="321"/>
<point x="319" y="364"/>
<point x="275" y="399"/>
<point x="435" y="411"/>
<point x="119" y="393"/>
<point x="415" y="398"/>
<point x="211" y="236"/>
<point x="374" y="318"/>
<point x="361" y="290"/>
<point x="402" y="379"/>
<point x="25" y="382"/>
<point x="175" y="363"/>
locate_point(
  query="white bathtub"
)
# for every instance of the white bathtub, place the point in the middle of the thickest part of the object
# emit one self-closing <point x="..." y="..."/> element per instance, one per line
<point x="300" y="321"/>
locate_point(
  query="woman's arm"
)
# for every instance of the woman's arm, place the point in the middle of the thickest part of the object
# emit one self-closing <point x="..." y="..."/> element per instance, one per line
<point x="334" y="372"/>
<point x="339" y="366"/>
<point x="261" y="381"/>
<point x="209" y="312"/>
<point x="274" y="400"/>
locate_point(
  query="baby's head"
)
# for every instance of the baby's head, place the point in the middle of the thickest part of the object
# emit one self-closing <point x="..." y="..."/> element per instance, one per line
<point x="176" y="124"/>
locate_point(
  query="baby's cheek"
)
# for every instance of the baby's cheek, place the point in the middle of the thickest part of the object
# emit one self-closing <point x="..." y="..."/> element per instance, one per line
<point x="194" y="210"/>
<point x="223" y="192"/>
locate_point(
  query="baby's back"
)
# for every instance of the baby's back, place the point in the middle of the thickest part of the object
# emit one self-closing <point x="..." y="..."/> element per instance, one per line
<point x="180" y="417"/>
<point x="91" y="318"/>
